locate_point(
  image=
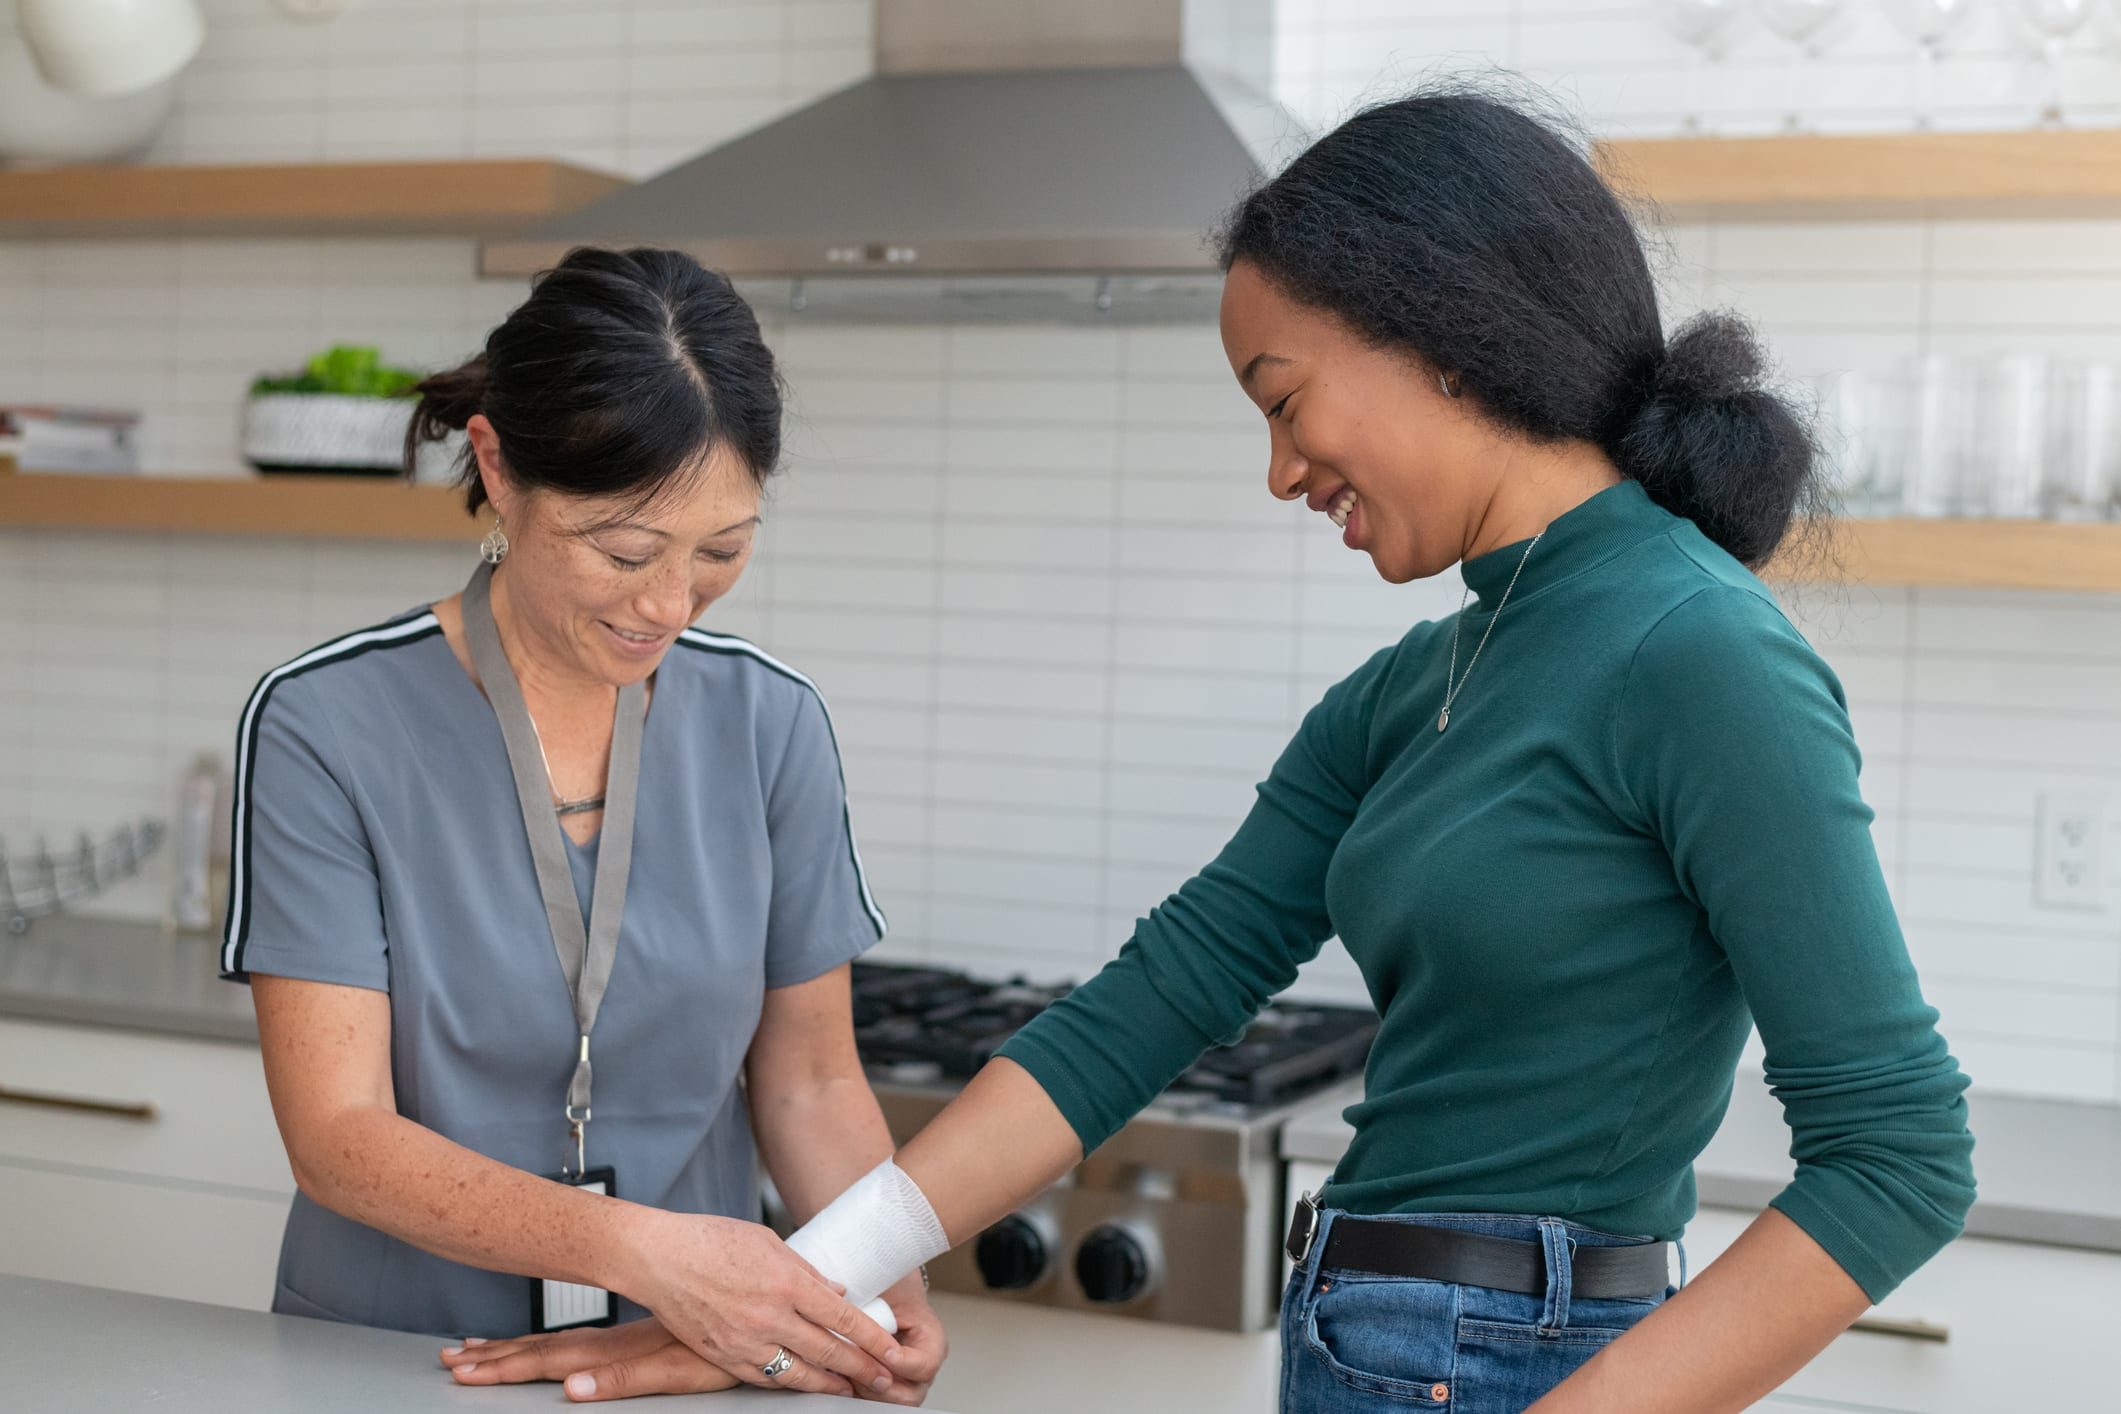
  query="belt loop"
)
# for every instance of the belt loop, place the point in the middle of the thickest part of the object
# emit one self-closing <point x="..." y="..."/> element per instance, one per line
<point x="1316" y="1257"/>
<point x="1554" y="1237"/>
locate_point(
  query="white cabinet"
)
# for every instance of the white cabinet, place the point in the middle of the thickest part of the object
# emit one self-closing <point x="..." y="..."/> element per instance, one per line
<point x="145" y="1163"/>
<point x="2026" y="1326"/>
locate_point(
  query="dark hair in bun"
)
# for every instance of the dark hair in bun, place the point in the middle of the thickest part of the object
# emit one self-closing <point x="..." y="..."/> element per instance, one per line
<point x="1461" y="229"/>
<point x="621" y="372"/>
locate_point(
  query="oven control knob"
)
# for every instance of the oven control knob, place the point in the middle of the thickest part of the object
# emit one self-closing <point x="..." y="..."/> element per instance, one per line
<point x="1011" y="1254"/>
<point x="1112" y="1266"/>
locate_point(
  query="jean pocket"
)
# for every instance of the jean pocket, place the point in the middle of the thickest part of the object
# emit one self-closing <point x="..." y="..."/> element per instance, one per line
<point x="1506" y="1365"/>
<point x="1388" y="1336"/>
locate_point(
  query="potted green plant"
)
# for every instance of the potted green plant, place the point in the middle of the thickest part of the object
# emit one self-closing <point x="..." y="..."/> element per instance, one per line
<point x="345" y="412"/>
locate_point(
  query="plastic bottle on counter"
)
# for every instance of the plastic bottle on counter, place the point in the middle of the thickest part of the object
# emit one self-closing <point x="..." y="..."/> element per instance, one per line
<point x="191" y="897"/>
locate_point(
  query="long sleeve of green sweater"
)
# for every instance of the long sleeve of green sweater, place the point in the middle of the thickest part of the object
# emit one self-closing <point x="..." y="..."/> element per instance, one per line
<point x="1641" y="834"/>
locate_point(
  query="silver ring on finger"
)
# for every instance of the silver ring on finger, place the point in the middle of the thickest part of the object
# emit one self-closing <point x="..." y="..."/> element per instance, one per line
<point x="781" y="1363"/>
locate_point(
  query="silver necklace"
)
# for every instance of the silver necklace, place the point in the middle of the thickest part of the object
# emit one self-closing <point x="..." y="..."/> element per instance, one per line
<point x="561" y="805"/>
<point x="1450" y="694"/>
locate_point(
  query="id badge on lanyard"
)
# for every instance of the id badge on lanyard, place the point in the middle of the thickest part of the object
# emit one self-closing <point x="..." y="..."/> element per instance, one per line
<point x="565" y="1305"/>
<point x="585" y="951"/>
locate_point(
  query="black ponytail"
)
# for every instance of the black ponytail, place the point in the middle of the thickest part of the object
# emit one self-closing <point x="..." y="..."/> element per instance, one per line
<point x="1461" y="229"/>
<point x="1708" y="443"/>
<point x="620" y="373"/>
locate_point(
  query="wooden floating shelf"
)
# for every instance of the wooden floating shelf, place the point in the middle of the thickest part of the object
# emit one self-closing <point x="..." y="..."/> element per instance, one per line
<point x="337" y="198"/>
<point x="2033" y="173"/>
<point x="323" y="507"/>
<point x="2036" y="173"/>
<point x="1966" y="554"/>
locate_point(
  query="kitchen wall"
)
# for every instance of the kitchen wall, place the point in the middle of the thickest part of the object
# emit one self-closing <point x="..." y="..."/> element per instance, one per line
<point x="1062" y="627"/>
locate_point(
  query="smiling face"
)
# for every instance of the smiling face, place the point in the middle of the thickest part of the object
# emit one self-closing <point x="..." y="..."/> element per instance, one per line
<point x="1362" y="434"/>
<point x="604" y="587"/>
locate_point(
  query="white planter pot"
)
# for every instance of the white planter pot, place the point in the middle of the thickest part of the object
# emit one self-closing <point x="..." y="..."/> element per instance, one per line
<point x="325" y="432"/>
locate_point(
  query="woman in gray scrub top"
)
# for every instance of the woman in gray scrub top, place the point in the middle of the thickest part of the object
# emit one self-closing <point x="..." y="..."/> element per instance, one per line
<point x="421" y="1036"/>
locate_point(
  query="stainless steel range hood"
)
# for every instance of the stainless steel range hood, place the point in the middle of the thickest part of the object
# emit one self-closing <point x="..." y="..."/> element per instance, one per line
<point x="997" y="138"/>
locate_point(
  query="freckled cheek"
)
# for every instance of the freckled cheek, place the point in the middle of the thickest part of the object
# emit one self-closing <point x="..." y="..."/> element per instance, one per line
<point x="708" y="587"/>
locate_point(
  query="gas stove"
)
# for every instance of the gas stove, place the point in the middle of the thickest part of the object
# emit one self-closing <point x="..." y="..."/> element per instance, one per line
<point x="1178" y="1216"/>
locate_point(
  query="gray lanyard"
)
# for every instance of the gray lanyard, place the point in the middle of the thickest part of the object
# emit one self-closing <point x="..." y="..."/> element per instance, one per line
<point x="585" y="957"/>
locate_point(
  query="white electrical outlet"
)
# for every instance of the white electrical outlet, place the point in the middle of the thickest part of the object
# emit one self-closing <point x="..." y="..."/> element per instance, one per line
<point x="2068" y="870"/>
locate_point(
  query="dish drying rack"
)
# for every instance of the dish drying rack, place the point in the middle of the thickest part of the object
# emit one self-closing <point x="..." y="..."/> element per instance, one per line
<point x="46" y="883"/>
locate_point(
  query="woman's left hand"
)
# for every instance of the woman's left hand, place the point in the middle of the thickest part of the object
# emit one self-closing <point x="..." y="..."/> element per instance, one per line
<point x="921" y="1336"/>
<point x="641" y="1357"/>
<point x="612" y="1362"/>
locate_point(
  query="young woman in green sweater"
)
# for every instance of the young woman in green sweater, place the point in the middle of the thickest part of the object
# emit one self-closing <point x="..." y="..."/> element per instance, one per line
<point x="1579" y="837"/>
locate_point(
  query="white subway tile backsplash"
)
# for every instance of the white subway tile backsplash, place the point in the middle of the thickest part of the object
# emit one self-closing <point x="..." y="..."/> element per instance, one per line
<point x="1062" y="626"/>
<point x="1196" y="745"/>
<point x="1033" y="592"/>
<point x="1019" y="400"/>
<point x="2066" y="1015"/>
<point x="853" y="446"/>
<point x="1998" y="897"/>
<point x="2055" y="739"/>
<point x="1042" y="690"/>
<point x="499" y="34"/>
<point x="1001" y="638"/>
<point x="720" y="68"/>
<point x="1032" y="446"/>
<point x="816" y="71"/>
<point x="662" y="24"/>
<point x="879" y="726"/>
<point x="2029" y="1066"/>
<point x="1981" y="680"/>
<point x="812" y="22"/>
<point x="1078" y="739"/>
<point x="1978" y="953"/>
<point x="1019" y="881"/>
<point x="1145" y="791"/>
<point x="2071" y="300"/>
<point x="1024" y="787"/>
<point x="1203" y="452"/>
<point x="1032" y="497"/>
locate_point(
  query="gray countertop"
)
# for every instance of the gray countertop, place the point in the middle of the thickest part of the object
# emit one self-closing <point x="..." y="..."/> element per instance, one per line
<point x="2048" y="1170"/>
<point x="79" y="1348"/>
<point x="100" y="972"/>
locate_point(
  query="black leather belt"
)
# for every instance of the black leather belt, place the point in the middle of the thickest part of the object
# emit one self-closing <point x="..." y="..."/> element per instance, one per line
<point x="1476" y="1259"/>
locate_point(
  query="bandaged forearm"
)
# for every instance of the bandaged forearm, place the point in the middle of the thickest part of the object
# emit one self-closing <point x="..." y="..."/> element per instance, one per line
<point x="872" y="1235"/>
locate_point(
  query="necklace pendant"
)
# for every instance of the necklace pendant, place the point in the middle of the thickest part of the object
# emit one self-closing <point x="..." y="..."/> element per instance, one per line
<point x="1443" y="719"/>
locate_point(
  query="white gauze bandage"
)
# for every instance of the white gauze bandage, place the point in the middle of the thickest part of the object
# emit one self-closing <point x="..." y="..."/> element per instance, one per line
<point x="873" y="1234"/>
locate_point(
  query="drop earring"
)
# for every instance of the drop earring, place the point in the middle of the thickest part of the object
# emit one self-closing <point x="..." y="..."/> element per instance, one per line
<point x="494" y="548"/>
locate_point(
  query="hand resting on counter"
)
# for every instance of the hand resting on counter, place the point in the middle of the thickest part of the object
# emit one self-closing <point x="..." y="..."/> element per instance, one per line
<point x="641" y="1357"/>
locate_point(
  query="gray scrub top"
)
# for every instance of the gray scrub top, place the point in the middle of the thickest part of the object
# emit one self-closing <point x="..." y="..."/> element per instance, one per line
<point x="378" y="843"/>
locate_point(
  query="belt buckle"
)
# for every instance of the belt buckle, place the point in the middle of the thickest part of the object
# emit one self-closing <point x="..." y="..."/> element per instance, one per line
<point x="1303" y="1229"/>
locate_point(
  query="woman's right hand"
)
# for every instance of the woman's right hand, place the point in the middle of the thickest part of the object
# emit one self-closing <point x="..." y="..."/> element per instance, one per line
<point x="734" y="1293"/>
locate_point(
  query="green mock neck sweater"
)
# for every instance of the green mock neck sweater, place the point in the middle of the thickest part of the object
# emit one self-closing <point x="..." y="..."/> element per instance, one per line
<point x="1640" y="834"/>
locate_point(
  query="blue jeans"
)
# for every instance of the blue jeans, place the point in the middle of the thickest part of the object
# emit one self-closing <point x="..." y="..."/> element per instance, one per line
<point x="1354" y="1343"/>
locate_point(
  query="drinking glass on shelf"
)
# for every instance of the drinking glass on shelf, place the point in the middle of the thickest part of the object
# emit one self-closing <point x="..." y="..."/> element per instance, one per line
<point x="1847" y="430"/>
<point x="1701" y="26"/>
<point x="1929" y="23"/>
<point x="1803" y="23"/>
<point x="2017" y="427"/>
<point x="1931" y="434"/>
<point x="2083" y="478"/>
<point x="2053" y="23"/>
